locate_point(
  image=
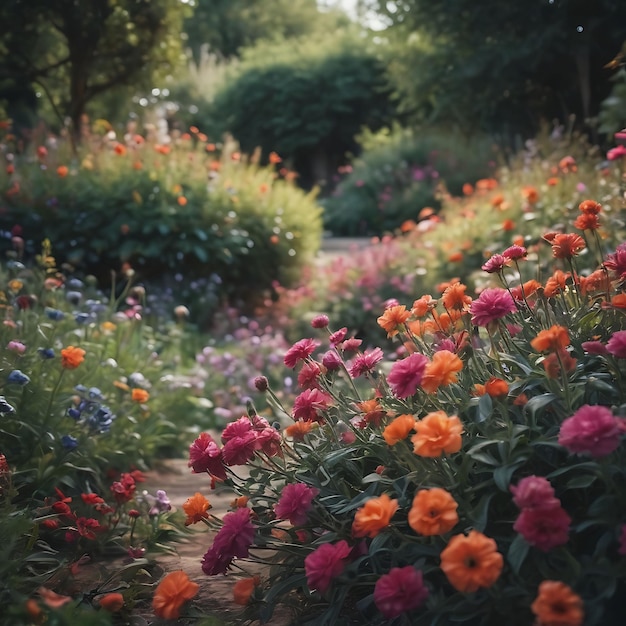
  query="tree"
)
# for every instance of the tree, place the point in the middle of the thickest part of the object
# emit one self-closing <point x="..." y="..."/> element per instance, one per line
<point x="75" y="50"/>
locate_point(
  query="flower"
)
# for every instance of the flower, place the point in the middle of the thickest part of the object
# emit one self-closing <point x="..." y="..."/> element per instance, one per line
<point x="244" y="588"/>
<point x="374" y="516"/>
<point x="206" y="456"/>
<point x="17" y="377"/>
<point x="309" y="403"/>
<point x="139" y="395"/>
<point x="515" y="253"/>
<point x="534" y="492"/>
<point x="544" y="528"/>
<point x="587" y="221"/>
<point x="553" y="339"/>
<point x="171" y="593"/>
<point x="406" y="375"/>
<point x="616" y="345"/>
<point x="556" y="604"/>
<point x="496" y="263"/>
<point x="300" y="350"/>
<point x="72" y="357"/>
<point x="240" y="449"/>
<point x="592" y="429"/>
<point x="471" y="562"/>
<point x="364" y="363"/>
<point x="52" y="599"/>
<point x="233" y="540"/>
<point x="567" y="245"/>
<point x="299" y="429"/>
<point x="492" y="304"/>
<point x="196" y="508"/>
<point x="398" y="429"/>
<point x="295" y="503"/>
<point x="441" y="371"/>
<point x="454" y="297"/>
<point x="433" y="512"/>
<point x="112" y="602"/>
<point x="320" y="321"/>
<point x="392" y="318"/>
<point x="326" y="563"/>
<point x="437" y="433"/>
<point x="401" y="590"/>
<point x="616" y="262"/>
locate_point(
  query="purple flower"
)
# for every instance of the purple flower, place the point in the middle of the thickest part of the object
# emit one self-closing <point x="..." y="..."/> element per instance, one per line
<point x="593" y="430"/>
<point x="68" y="442"/>
<point x="616" y="345"/>
<point x="402" y="589"/>
<point x="295" y="503"/>
<point x="331" y="360"/>
<point x="492" y="304"/>
<point x="406" y="375"/>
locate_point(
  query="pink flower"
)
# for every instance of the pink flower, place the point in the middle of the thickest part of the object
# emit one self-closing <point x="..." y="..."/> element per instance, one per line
<point x="592" y="429"/>
<point x="616" y="262"/>
<point x="364" y="363"/>
<point x="495" y="264"/>
<point x="614" y="154"/>
<point x="299" y="351"/>
<point x="594" y="347"/>
<point x="406" y="375"/>
<point x="622" y="541"/>
<point x="331" y="361"/>
<point x="308" y="405"/>
<point x="534" y="492"/>
<point x="492" y="304"/>
<point x="269" y="441"/>
<point x="295" y="503"/>
<point x="320" y="321"/>
<point x="338" y="336"/>
<point x="233" y="540"/>
<point x="326" y="563"/>
<point x="240" y="449"/>
<point x="206" y="456"/>
<point x="544" y="528"/>
<point x="351" y="345"/>
<point x="514" y="253"/>
<point x="16" y="346"/>
<point x="238" y="428"/>
<point x="308" y="377"/>
<point x="616" y="345"/>
<point x="402" y="589"/>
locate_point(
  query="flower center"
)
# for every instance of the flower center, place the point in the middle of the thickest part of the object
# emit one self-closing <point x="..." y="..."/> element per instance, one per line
<point x="470" y="562"/>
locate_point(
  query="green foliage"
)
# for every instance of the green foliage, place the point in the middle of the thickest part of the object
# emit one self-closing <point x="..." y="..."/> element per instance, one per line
<point x="397" y="176"/>
<point x="305" y="98"/>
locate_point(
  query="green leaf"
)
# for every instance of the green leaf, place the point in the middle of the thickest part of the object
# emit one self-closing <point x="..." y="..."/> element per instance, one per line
<point x="517" y="552"/>
<point x="502" y="475"/>
<point x="581" y="482"/>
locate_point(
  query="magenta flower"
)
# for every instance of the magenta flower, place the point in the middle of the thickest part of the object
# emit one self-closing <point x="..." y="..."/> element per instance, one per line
<point x="616" y="262"/>
<point x="364" y="363"/>
<point x="308" y="376"/>
<point x="515" y="253"/>
<point x="594" y="347"/>
<point x="269" y="441"/>
<point x="331" y="360"/>
<point x="402" y="589"/>
<point x="308" y="405"/>
<point x="206" y="456"/>
<point x="406" y="375"/>
<point x="492" y="304"/>
<point x="352" y="344"/>
<point x="614" y="154"/>
<point x="299" y="351"/>
<point x="616" y="345"/>
<point x="320" y="321"/>
<point x="233" y="540"/>
<point x="338" y="336"/>
<point x="544" y="528"/>
<point x="238" y="428"/>
<point x="495" y="264"/>
<point x="240" y="449"/>
<point x="295" y="503"/>
<point x="534" y="492"/>
<point x="325" y="564"/>
<point x="593" y="430"/>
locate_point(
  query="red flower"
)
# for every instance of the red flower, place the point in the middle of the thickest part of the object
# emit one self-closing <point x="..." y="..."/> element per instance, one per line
<point x="402" y="589"/>
<point x="534" y="492"/>
<point x="308" y="405"/>
<point x="299" y="351"/>
<point x="88" y="527"/>
<point x="206" y="456"/>
<point x="567" y="245"/>
<point x="326" y="563"/>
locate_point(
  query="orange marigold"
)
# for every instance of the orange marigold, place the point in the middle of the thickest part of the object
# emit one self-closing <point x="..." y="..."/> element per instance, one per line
<point x="556" y="604"/>
<point x="374" y="516"/>
<point x="551" y="339"/>
<point x="441" y="371"/>
<point x="139" y="395"/>
<point x="437" y="433"/>
<point x="171" y="593"/>
<point x="433" y="512"/>
<point x="398" y="429"/>
<point x="244" y="588"/>
<point x="471" y="562"/>
<point x="392" y="318"/>
<point x="530" y="194"/>
<point x="619" y="301"/>
<point x="72" y="357"/>
<point x="196" y="508"/>
<point x="454" y="297"/>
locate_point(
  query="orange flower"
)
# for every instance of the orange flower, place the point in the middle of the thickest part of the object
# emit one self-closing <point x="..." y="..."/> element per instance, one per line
<point x="52" y="599"/>
<point x="374" y="516"/>
<point x="556" y="604"/>
<point x="441" y="371"/>
<point x="182" y="201"/>
<point x="590" y="207"/>
<point x="553" y="362"/>
<point x="112" y="602"/>
<point x="496" y="387"/>
<point x="526" y="290"/>
<point x="299" y="429"/>
<point x="196" y="508"/>
<point x="455" y="257"/>
<point x="556" y="283"/>
<point x="72" y="357"/>
<point x="553" y="181"/>
<point x="454" y="297"/>
<point x="407" y="226"/>
<point x="139" y="395"/>
<point x="597" y="281"/>
<point x="486" y="184"/>
<point x="244" y="588"/>
<point x="433" y="512"/>
<point x="567" y="245"/>
<point x="372" y="411"/>
<point x="619" y="301"/>
<point x="437" y="433"/>
<point x="551" y="340"/>
<point x="468" y="189"/>
<point x="393" y="317"/>
<point x="274" y="158"/>
<point x="423" y="305"/>
<point x="62" y="171"/>
<point x="497" y="200"/>
<point x="471" y="562"/>
<point x="398" y="429"/>
<point x="568" y="164"/>
<point x="119" y="149"/>
<point x="530" y="194"/>
<point x="508" y="225"/>
<point x="587" y="221"/>
<point x="240" y="502"/>
<point x="171" y="593"/>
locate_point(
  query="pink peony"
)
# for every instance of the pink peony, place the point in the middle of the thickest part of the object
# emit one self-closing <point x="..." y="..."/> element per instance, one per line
<point x="326" y="563"/>
<point x="269" y="441"/>
<point x="616" y="345"/>
<point x="406" y="375"/>
<point x="239" y="450"/>
<point x="299" y="351"/>
<point x="295" y="503"/>
<point x="534" y="492"/>
<point x="402" y="589"/>
<point x="593" y="430"/>
<point x="544" y="528"/>
<point x="351" y="344"/>
<point x="206" y="456"/>
<point x="614" y="154"/>
<point x="308" y="405"/>
<point x="364" y="363"/>
<point x="233" y="540"/>
<point x="492" y="304"/>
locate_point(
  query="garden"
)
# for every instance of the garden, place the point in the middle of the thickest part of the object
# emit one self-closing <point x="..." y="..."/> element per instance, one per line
<point x="206" y="419"/>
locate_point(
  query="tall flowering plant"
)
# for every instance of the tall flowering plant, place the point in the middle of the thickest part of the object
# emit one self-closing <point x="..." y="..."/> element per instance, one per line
<point x="476" y="475"/>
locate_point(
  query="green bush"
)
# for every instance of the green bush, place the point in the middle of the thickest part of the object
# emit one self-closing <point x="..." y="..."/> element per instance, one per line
<point x="399" y="175"/>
